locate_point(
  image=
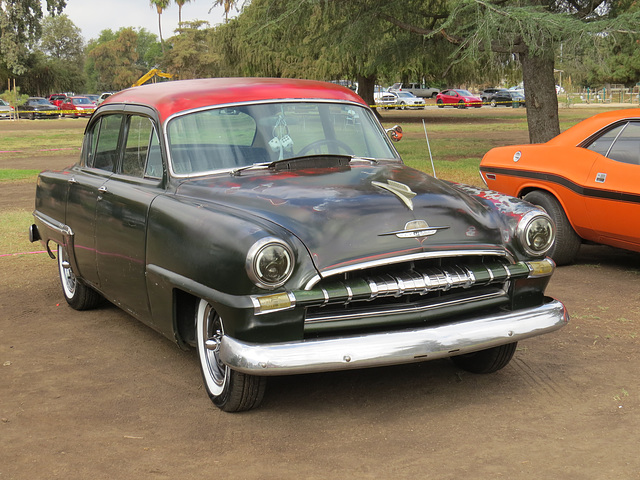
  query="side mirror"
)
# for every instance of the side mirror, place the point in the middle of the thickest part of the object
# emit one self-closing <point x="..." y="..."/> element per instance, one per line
<point x="395" y="133"/>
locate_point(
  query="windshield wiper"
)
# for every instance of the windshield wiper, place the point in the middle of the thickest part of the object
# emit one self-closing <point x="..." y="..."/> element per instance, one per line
<point x="239" y="170"/>
<point x="306" y="161"/>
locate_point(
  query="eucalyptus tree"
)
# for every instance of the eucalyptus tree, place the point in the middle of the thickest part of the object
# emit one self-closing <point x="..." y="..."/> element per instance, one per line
<point x="21" y="27"/>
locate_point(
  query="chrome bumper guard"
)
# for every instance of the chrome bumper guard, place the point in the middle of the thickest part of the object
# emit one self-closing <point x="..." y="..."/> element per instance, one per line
<point x="392" y="348"/>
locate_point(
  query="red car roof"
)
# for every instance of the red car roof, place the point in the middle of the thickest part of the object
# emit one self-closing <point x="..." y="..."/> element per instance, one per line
<point x="172" y="97"/>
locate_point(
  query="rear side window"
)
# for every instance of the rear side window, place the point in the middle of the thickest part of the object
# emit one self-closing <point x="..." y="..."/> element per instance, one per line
<point x="621" y="143"/>
<point x="142" y="149"/>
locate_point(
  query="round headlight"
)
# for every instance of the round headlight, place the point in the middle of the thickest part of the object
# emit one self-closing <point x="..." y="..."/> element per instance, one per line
<point x="536" y="233"/>
<point x="270" y="263"/>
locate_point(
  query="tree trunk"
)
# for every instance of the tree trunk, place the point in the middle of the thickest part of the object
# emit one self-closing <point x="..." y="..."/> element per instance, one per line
<point x="541" y="98"/>
<point x="366" y="88"/>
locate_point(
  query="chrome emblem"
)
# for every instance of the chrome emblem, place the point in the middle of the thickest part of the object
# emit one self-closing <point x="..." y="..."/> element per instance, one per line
<point x="517" y="155"/>
<point x="416" y="229"/>
<point x="400" y="190"/>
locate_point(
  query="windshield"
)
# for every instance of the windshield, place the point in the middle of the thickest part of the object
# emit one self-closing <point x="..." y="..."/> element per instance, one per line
<point x="235" y="137"/>
<point x="464" y="93"/>
<point x="81" y="101"/>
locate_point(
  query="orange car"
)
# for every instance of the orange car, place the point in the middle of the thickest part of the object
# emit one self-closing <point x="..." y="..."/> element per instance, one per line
<point x="587" y="178"/>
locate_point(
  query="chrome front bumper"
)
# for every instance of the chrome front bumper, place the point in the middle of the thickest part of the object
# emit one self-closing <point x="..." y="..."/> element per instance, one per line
<point x="392" y="348"/>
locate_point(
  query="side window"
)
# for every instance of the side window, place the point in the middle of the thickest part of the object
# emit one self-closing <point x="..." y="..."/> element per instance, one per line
<point x="626" y="147"/>
<point x="138" y="146"/>
<point x="104" y="143"/>
<point x="602" y="144"/>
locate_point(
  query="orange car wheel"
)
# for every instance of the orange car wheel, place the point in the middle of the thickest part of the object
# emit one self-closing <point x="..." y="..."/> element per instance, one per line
<point x="567" y="243"/>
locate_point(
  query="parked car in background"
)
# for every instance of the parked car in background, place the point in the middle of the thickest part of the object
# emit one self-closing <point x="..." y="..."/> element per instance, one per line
<point x="408" y="100"/>
<point x="459" y="98"/>
<point x="487" y="94"/>
<point x="37" y="107"/>
<point x="103" y="96"/>
<point x="517" y="89"/>
<point x="5" y="109"/>
<point x="91" y="96"/>
<point x="57" y="99"/>
<point x="385" y="99"/>
<point x="507" y="98"/>
<point x="272" y="225"/>
<point x="587" y="178"/>
<point x="77" y="107"/>
<point x="418" y="89"/>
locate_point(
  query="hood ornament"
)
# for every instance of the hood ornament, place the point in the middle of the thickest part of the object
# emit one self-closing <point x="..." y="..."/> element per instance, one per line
<point x="416" y="229"/>
<point x="400" y="190"/>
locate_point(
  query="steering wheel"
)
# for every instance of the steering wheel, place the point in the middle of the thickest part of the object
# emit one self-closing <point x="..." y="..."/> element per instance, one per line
<point x="325" y="141"/>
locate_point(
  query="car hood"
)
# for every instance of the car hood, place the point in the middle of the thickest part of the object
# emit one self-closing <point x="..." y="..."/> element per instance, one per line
<point x="350" y="215"/>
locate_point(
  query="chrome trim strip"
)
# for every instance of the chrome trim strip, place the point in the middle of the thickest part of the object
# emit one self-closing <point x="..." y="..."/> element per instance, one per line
<point x="406" y="258"/>
<point x="392" y="348"/>
<point x="401" y="309"/>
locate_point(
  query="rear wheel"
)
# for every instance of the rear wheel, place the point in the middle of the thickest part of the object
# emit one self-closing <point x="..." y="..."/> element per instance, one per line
<point x="229" y="390"/>
<point x="486" y="361"/>
<point x="494" y="103"/>
<point x="567" y="244"/>
<point x="77" y="294"/>
<point x="439" y="103"/>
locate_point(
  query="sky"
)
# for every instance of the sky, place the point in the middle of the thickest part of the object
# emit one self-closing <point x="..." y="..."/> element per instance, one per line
<point x="92" y="16"/>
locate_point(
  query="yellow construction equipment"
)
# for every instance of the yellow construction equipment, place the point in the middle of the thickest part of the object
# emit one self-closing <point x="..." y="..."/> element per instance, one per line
<point x="150" y="74"/>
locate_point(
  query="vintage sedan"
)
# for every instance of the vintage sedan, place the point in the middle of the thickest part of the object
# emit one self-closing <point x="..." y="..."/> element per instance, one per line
<point x="271" y="224"/>
<point x="587" y="178"/>
<point x="458" y="98"/>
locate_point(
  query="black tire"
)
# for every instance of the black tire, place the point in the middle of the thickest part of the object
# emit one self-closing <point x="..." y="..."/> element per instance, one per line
<point x="461" y="104"/>
<point x="494" y="103"/>
<point x="78" y="295"/>
<point x="486" y="361"/>
<point x="402" y="106"/>
<point x="229" y="390"/>
<point x="567" y="243"/>
<point x="439" y="103"/>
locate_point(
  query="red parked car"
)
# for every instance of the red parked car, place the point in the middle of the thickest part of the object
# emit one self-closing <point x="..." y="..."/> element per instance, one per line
<point x="77" y="107"/>
<point x="57" y="99"/>
<point x="456" y="97"/>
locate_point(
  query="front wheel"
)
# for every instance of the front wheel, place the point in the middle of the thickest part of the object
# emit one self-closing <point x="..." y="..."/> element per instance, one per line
<point x="229" y="390"/>
<point x="565" y="248"/>
<point x="461" y="104"/>
<point x="78" y="295"/>
<point x="486" y="361"/>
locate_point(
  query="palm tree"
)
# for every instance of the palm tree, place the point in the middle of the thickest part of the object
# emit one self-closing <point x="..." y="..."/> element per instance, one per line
<point x="227" y="6"/>
<point x="180" y="4"/>
<point x="160" y="6"/>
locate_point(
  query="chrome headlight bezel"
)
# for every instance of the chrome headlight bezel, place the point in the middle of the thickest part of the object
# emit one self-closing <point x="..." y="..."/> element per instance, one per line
<point x="544" y="226"/>
<point x="256" y="256"/>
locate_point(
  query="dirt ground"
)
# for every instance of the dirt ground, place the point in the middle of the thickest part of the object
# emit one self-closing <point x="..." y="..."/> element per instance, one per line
<point x="97" y="395"/>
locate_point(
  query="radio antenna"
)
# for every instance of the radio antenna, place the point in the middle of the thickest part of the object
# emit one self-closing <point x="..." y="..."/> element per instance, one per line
<point x="429" y="147"/>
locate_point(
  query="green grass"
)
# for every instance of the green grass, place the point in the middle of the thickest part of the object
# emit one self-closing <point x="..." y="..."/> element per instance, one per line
<point x="11" y="175"/>
<point x="14" y="236"/>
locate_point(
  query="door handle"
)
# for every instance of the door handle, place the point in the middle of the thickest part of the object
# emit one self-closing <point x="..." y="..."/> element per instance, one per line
<point x="102" y="189"/>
